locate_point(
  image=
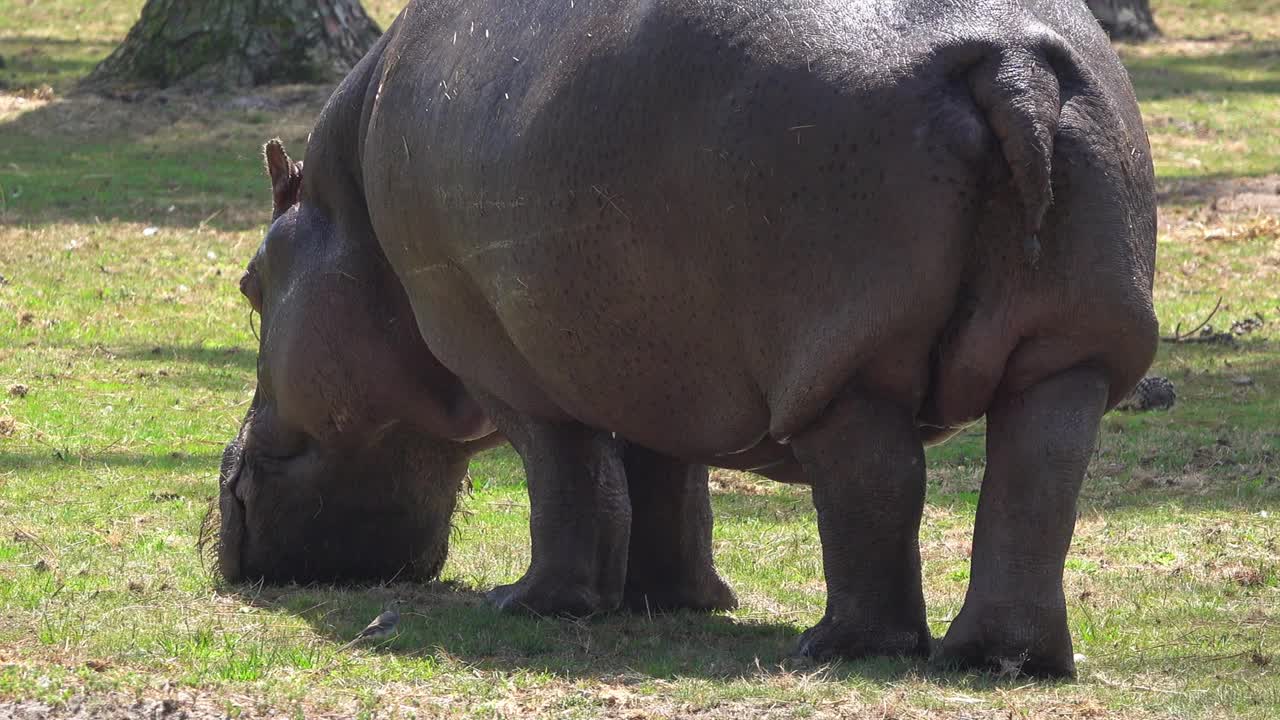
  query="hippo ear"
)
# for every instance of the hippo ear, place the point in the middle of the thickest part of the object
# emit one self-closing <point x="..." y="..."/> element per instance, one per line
<point x="286" y="177"/>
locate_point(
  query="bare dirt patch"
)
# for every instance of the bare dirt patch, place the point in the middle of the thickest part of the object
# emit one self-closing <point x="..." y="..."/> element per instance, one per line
<point x="1235" y="195"/>
<point x="1186" y="46"/>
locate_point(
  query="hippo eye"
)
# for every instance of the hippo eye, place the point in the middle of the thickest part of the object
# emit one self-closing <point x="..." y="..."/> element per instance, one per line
<point x="272" y="447"/>
<point x="274" y="463"/>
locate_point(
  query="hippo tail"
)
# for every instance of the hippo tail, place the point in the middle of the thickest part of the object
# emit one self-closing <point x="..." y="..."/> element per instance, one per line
<point x="1018" y="92"/>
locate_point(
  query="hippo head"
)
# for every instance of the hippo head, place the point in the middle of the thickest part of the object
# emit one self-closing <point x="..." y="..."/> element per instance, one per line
<point x="349" y="460"/>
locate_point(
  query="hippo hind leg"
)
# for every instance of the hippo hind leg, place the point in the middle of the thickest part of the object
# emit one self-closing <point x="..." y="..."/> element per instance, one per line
<point x="1038" y="447"/>
<point x="669" y="565"/>
<point x="865" y="461"/>
<point x="579" y="521"/>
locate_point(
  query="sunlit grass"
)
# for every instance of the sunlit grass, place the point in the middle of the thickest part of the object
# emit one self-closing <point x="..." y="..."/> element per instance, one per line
<point x="123" y="229"/>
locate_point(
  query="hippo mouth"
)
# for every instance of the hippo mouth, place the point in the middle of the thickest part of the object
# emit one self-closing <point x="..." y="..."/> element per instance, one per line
<point x="222" y="530"/>
<point x="374" y="513"/>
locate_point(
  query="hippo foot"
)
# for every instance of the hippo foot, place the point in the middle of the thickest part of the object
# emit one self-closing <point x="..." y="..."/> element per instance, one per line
<point x="1009" y="642"/>
<point x="548" y="599"/>
<point x="829" y="640"/>
<point x="706" y="595"/>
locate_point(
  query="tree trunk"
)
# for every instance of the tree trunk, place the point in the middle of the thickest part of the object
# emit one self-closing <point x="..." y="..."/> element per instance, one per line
<point x="1125" y="19"/>
<point x="228" y="43"/>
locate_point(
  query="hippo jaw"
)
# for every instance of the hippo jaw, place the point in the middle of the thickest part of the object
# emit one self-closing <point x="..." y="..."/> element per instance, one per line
<point x="224" y="524"/>
<point x="355" y="514"/>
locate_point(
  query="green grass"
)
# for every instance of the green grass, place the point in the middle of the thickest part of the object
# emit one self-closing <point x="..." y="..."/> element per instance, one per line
<point x="1208" y="89"/>
<point x="138" y="356"/>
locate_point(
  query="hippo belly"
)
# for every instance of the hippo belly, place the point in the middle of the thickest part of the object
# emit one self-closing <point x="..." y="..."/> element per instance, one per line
<point x="696" y="262"/>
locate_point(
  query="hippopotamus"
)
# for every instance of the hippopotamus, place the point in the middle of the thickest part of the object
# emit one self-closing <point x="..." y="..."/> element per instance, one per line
<point x="634" y="238"/>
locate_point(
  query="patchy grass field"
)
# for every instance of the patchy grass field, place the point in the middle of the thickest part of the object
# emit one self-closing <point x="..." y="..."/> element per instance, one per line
<point x="127" y="359"/>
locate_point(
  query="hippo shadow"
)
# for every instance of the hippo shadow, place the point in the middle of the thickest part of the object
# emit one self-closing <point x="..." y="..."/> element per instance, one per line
<point x="452" y="623"/>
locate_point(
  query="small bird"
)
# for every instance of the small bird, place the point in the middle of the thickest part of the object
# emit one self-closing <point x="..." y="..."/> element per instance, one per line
<point x="384" y="626"/>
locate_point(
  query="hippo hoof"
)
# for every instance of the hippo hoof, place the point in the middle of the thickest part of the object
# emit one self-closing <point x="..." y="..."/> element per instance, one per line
<point x="707" y="596"/>
<point x="830" y="640"/>
<point x="1007" y="648"/>
<point x="546" y="599"/>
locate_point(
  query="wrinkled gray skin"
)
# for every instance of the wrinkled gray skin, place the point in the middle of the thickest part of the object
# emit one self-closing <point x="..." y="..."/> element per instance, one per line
<point x="807" y="237"/>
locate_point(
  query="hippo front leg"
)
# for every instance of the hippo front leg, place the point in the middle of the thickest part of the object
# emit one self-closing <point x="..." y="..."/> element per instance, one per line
<point x="670" y="565"/>
<point x="865" y="461"/>
<point x="1038" y="448"/>
<point x="580" y="517"/>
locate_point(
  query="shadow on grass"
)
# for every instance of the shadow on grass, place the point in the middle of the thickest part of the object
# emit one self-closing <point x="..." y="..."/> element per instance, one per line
<point x="163" y="159"/>
<point x="1196" y="190"/>
<point x="454" y="621"/>
<point x="1169" y="76"/>
<point x="33" y="61"/>
<point x="199" y="354"/>
<point x="151" y="369"/>
<point x="56" y="457"/>
<point x="230" y="356"/>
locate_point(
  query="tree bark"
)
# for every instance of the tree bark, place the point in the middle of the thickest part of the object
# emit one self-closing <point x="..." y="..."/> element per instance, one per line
<point x="201" y="44"/>
<point x="1125" y="19"/>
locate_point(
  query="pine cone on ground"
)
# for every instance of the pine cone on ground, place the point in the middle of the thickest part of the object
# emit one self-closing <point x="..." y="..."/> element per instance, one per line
<point x="1152" y="393"/>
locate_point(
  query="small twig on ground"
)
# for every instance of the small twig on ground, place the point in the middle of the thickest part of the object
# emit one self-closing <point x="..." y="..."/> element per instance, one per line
<point x="1134" y="686"/>
<point x="1207" y="658"/>
<point x="1178" y="337"/>
<point x="200" y="227"/>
